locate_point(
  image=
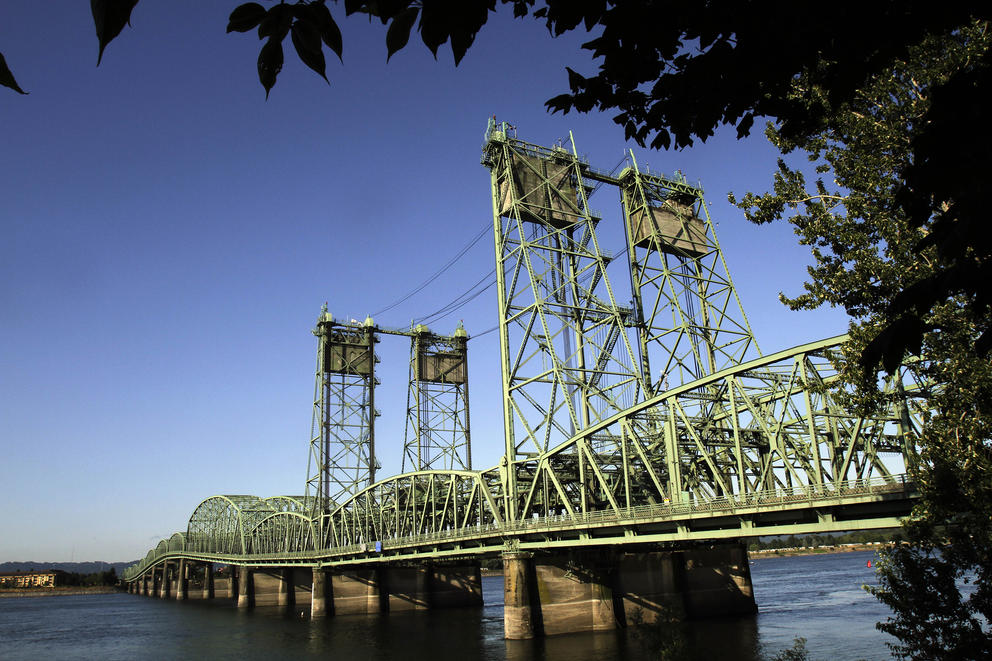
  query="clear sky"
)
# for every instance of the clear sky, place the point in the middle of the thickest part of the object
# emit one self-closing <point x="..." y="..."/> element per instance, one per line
<point x="168" y="237"/>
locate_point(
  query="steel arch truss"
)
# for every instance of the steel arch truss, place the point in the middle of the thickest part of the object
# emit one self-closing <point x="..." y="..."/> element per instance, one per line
<point x="281" y="533"/>
<point x="416" y="504"/>
<point x="769" y="425"/>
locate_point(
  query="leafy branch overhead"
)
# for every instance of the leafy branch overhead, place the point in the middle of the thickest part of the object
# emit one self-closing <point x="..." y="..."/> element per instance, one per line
<point x="311" y="26"/>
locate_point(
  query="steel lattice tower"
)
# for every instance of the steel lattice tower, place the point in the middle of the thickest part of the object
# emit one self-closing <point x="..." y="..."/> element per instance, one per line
<point x="693" y="323"/>
<point x="568" y="360"/>
<point x="342" y="445"/>
<point x="437" y="421"/>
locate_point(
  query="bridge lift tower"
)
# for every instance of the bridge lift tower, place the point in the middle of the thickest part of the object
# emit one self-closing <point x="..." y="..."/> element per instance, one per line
<point x="437" y="420"/>
<point x="568" y="355"/>
<point x="342" y="446"/>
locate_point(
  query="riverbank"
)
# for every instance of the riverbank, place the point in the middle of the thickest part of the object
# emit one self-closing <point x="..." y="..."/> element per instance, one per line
<point x="59" y="591"/>
<point x="818" y="550"/>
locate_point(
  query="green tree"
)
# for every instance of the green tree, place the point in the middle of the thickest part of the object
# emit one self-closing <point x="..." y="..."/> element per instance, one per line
<point x="869" y="249"/>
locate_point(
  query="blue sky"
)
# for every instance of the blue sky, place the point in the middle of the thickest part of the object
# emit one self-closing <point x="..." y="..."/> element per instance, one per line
<point x="168" y="237"/>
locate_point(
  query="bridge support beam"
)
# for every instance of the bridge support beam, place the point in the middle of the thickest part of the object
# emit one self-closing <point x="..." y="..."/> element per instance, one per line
<point x="407" y="588"/>
<point x="208" y="580"/>
<point x="718" y="581"/>
<point x="597" y="590"/>
<point x="182" y="580"/>
<point x="518" y="585"/>
<point x="321" y="598"/>
<point x="357" y="591"/>
<point x="287" y="593"/>
<point x="246" y="588"/>
<point x="456" y="586"/>
<point x="166" y="587"/>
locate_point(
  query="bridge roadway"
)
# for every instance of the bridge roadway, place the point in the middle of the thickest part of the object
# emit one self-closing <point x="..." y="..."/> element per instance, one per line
<point x="591" y="571"/>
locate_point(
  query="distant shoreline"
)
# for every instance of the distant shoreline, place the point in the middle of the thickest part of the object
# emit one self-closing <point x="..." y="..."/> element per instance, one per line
<point x="819" y="550"/>
<point x="57" y="592"/>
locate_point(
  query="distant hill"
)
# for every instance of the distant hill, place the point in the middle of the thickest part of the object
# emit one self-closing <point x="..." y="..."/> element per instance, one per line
<point x="74" y="567"/>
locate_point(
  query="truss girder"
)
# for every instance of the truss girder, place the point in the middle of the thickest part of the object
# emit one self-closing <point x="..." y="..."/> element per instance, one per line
<point x="768" y="424"/>
<point x="412" y="504"/>
<point x="568" y="360"/>
<point x="693" y="323"/>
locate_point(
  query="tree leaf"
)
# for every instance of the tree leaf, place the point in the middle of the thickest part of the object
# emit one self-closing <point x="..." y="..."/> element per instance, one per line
<point x="433" y="28"/>
<point x="460" y="42"/>
<point x="399" y="30"/>
<point x="7" y="78"/>
<point x="330" y="34"/>
<point x="270" y="63"/>
<point x="306" y="40"/>
<point x="276" y="22"/>
<point x="744" y="127"/>
<point x="109" y="18"/>
<point x="245" y="17"/>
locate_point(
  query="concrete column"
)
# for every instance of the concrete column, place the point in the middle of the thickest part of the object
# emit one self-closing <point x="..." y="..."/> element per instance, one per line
<point x="144" y="585"/>
<point x="208" y="580"/>
<point x="650" y="585"/>
<point x="286" y="592"/>
<point x="455" y="586"/>
<point x="245" y="588"/>
<point x="166" y="582"/>
<point x="182" y="580"/>
<point x="575" y="592"/>
<point x="518" y="621"/>
<point x="357" y="591"/>
<point x="408" y="588"/>
<point x="717" y="581"/>
<point x="319" y="595"/>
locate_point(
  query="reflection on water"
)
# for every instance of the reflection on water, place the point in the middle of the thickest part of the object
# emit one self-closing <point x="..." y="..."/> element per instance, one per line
<point x="816" y="597"/>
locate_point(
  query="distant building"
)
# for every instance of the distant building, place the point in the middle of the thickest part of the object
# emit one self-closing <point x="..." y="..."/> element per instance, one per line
<point x="32" y="579"/>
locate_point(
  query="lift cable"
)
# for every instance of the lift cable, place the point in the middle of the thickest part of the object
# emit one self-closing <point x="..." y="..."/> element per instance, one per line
<point x="438" y="273"/>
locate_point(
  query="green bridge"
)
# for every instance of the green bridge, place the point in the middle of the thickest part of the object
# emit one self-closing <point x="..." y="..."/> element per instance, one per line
<point x="645" y="442"/>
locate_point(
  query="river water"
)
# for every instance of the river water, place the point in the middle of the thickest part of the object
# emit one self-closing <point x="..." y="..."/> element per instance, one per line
<point x="818" y="597"/>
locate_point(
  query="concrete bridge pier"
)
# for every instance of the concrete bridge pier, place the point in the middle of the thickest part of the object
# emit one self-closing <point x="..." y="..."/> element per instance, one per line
<point x="598" y="590"/>
<point x="406" y="587"/>
<point x="518" y="584"/>
<point x="287" y="593"/>
<point x="208" y="580"/>
<point x="321" y="598"/>
<point x="246" y="587"/>
<point x="357" y="591"/>
<point x="165" y="589"/>
<point x="182" y="580"/>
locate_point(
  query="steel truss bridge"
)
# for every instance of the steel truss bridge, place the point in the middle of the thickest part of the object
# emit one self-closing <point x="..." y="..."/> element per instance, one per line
<point x="652" y="422"/>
